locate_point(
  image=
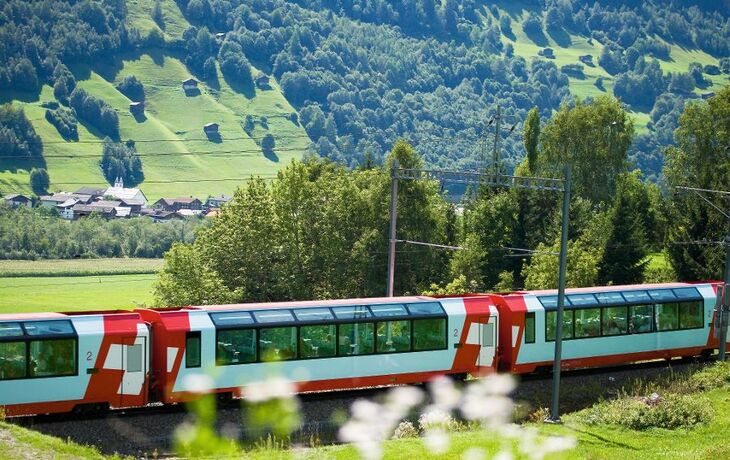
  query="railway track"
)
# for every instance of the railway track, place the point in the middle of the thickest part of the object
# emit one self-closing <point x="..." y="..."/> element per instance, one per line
<point x="151" y="430"/>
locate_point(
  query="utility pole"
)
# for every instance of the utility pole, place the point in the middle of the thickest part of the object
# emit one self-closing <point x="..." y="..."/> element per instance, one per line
<point x="495" y="153"/>
<point x="393" y="219"/>
<point x="555" y="406"/>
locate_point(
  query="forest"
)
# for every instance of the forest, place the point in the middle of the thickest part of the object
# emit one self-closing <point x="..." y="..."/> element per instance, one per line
<point x="363" y="74"/>
<point x="321" y="231"/>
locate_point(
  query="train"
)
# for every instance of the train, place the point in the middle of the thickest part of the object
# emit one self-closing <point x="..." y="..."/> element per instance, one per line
<point x="92" y="361"/>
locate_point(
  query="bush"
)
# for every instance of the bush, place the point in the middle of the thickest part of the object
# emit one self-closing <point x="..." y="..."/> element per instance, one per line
<point x="711" y="377"/>
<point x="405" y="430"/>
<point x="64" y="121"/>
<point x="132" y="88"/>
<point x="670" y="412"/>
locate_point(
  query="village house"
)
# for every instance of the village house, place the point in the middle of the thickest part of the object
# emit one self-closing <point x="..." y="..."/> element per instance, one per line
<point x="16" y="200"/>
<point x="107" y="209"/>
<point x="94" y="192"/>
<point x="210" y="128"/>
<point x="217" y="201"/>
<point x="190" y="84"/>
<point x="262" y="81"/>
<point x="52" y="201"/>
<point x="176" y="204"/>
<point x="132" y="198"/>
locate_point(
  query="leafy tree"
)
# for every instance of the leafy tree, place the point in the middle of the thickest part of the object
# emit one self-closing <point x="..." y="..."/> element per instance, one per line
<point x="157" y="14"/>
<point x="131" y="87"/>
<point x="39" y="181"/>
<point x="210" y="71"/>
<point x="186" y="280"/>
<point x="17" y="135"/>
<point x="594" y="137"/>
<point x="701" y="160"/>
<point x="582" y="270"/>
<point x="121" y="160"/>
<point x="95" y="111"/>
<point x="268" y="143"/>
<point x="234" y="64"/>
<point x="531" y="136"/>
<point x="65" y="122"/>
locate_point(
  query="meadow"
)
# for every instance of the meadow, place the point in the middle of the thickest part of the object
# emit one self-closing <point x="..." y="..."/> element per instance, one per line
<point x="78" y="267"/>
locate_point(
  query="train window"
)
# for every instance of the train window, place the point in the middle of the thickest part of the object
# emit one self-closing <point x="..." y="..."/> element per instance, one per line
<point x="355" y="339"/>
<point x="687" y="293"/>
<point x="51" y="358"/>
<point x="615" y="321"/>
<point x="356" y="312"/>
<point x="429" y="334"/>
<point x="273" y="316"/>
<point x="388" y="310"/>
<point x="393" y="336"/>
<point x="662" y="294"/>
<point x="235" y="346"/>
<point x="48" y="327"/>
<point x="667" y="316"/>
<point x="551" y="320"/>
<point x="134" y="358"/>
<point x="588" y="322"/>
<point x="582" y="299"/>
<point x="430" y="308"/>
<point x="233" y="318"/>
<point x="317" y="341"/>
<point x="636" y="296"/>
<point x="530" y="327"/>
<point x="690" y="315"/>
<point x="10" y="330"/>
<point x="313" y="314"/>
<point x="641" y="318"/>
<point x="278" y="343"/>
<point x="12" y="360"/>
<point x="609" y="297"/>
<point x="192" y="349"/>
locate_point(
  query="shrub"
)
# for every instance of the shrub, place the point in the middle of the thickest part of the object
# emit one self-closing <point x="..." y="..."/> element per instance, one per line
<point x="437" y="419"/>
<point x="711" y="377"/>
<point x="64" y="121"/>
<point x="404" y="430"/>
<point x="131" y="87"/>
<point x="670" y="412"/>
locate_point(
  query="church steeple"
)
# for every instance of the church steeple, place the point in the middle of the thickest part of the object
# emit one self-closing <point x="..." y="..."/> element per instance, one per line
<point x="119" y="182"/>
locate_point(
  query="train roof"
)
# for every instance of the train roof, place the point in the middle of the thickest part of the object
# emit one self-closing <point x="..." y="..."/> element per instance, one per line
<point x="591" y="289"/>
<point x="315" y="303"/>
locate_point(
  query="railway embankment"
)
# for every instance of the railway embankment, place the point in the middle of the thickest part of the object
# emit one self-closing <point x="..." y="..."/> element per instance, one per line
<point x="644" y="411"/>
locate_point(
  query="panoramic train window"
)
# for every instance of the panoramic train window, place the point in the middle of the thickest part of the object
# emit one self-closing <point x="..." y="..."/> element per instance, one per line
<point x="615" y="321"/>
<point x="530" y="327"/>
<point x="587" y="322"/>
<point x="609" y="297"/>
<point x="235" y="346"/>
<point x="317" y="341"/>
<point x="393" y="336"/>
<point x="273" y="316"/>
<point x="192" y="349"/>
<point x="667" y="316"/>
<point x="313" y="314"/>
<point x="233" y="318"/>
<point x="690" y="315"/>
<point x="581" y="299"/>
<point x="355" y="339"/>
<point x="641" y="318"/>
<point x="356" y="312"/>
<point x="50" y="358"/>
<point x="662" y="294"/>
<point x="636" y="296"/>
<point x="12" y="360"/>
<point x="278" y="343"/>
<point x="429" y="308"/>
<point x="388" y="310"/>
<point x="551" y="319"/>
<point x="429" y="334"/>
<point x="48" y="328"/>
<point x="10" y="330"/>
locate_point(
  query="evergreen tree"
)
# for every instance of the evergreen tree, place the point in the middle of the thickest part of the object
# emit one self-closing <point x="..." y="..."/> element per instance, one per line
<point x="39" y="181"/>
<point x="531" y="135"/>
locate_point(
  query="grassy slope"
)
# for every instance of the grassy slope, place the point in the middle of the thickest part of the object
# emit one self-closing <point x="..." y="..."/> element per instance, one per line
<point x="20" y="443"/>
<point x="680" y="58"/>
<point x="173" y="120"/>
<point x="75" y="293"/>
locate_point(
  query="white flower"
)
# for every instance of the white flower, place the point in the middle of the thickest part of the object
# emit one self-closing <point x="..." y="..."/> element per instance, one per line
<point x="557" y="444"/>
<point x="273" y="388"/>
<point x="434" y="418"/>
<point x="437" y="441"/>
<point x="402" y="399"/>
<point x="198" y="383"/>
<point x="363" y="409"/>
<point x="503" y="455"/>
<point x="444" y="394"/>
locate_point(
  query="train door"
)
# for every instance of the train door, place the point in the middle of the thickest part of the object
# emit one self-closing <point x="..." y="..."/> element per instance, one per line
<point x="133" y="390"/>
<point x="487" y="341"/>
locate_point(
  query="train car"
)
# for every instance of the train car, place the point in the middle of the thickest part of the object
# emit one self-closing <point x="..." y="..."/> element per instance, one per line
<point x="606" y="325"/>
<point x="54" y="362"/>
<point x="321" y="345"/>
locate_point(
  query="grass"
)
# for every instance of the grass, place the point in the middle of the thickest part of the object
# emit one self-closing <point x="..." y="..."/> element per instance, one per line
<point x="78" y="267"/>
<point x="75" y="293"/>
<point x="191" y="164"/>
<point x="657" y="260"/>
<point x="20" y="443"/>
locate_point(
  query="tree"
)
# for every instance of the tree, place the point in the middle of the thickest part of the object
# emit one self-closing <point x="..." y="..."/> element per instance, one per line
<point x="624" y="256"/>
<point x="157" y="14"/>
<point x="582" y="270"/>
<point x="268" y="143"/>
<point x="39" y="181"/>
<point x="701" y="160"/>
<point x="121" y="160"/>
<point x="594" y="137"/>
<point x="210" y="71"/>
<point x="186" y="280"/>
<point x="531" y="135"/>
<point x="131" y="87"/>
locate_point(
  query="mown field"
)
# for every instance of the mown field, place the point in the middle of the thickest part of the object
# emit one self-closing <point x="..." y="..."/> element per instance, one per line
<point x="78" y="267"/>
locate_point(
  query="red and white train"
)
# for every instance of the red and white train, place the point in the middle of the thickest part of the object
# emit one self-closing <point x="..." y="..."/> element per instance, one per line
<point x="61" y="362"/>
